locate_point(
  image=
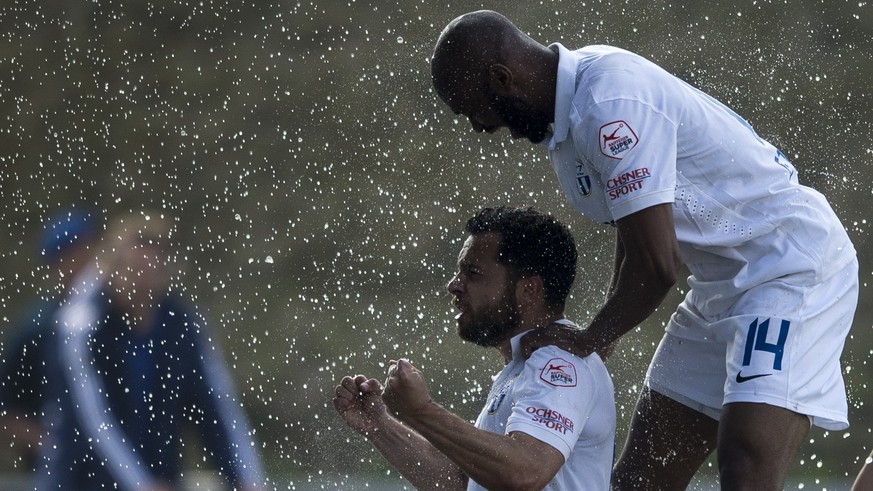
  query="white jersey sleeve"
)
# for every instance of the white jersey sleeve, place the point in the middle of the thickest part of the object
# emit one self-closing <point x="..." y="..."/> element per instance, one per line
<point x="554" y="396"/>
<point x="624" y="127"/>
<point x="632" y="147"/>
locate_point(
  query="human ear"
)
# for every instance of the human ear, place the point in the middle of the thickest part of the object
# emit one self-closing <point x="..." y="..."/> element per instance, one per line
<point x="500" y="78"/>
<point x="529" y="290"/>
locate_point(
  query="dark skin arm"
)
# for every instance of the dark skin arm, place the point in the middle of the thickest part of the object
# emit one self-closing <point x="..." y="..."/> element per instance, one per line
<point x="491" y="459"/>
<point x="646" y="268"/>
<point x="865" y="477"/>
<point x="359" y="402"/>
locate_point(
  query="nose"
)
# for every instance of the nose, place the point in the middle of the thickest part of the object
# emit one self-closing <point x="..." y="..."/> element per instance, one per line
<point x="454" y="285"/>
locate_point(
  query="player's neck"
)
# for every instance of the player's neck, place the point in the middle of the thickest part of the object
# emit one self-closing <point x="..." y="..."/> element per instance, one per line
<point x="527" y="323"/>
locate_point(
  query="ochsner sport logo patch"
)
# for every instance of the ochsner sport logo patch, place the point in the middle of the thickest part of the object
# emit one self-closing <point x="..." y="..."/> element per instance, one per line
<point x="559" y="372"/>
<point x="552" y="420"/>
<point x="616" y="138"/>
<point x="627" y="183"/>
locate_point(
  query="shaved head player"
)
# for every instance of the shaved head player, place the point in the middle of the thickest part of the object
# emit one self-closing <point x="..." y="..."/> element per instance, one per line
<point x="751" y="357"/>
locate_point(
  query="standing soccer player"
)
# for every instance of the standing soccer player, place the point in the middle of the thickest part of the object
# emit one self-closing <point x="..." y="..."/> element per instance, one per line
<point x="751" y="357"/>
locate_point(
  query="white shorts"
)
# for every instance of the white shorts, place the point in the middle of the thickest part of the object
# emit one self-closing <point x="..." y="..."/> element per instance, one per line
<point x="779" y="344"/>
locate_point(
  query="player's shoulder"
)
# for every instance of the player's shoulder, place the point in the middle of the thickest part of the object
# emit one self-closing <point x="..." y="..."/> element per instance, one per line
<point x="600" y="61"/>
<point x="609" y="73"/>
<point x="555" y="367"/>
<point x="561" y="368"/>
<point x="546" y="353"/>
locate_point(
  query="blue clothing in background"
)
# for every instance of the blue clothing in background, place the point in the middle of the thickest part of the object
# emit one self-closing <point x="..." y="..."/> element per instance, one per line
<point x="118" y="422"/>
<point x="23" y="376"/>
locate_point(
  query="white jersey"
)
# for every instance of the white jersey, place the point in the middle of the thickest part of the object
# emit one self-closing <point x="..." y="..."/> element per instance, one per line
<point x="628" y="136"/>
<point x="562" y="400"/>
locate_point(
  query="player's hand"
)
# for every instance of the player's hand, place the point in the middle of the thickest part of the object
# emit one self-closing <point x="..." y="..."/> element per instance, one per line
<point x="580" y="342"/>
<point x="359" y="402"/>
<point x="406" y="392"/>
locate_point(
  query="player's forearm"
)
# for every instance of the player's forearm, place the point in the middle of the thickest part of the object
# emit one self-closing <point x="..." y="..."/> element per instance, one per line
<point x="617" y="262"/>
<point x="634" y="297"/>
<point x="415" y="458"/>
<point x="493" y="460"/>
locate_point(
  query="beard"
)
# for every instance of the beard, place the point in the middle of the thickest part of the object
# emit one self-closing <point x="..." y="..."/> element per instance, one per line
<point x="490" y="327"/>
<point x="521" y="117"/>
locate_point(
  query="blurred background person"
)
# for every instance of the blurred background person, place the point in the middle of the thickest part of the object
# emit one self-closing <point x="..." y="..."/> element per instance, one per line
<point x="139" y="365"/>
<point x="66" y="247"/>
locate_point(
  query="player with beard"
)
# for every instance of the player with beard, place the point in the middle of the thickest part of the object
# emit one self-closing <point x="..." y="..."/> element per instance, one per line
<point x="548" y="420"/>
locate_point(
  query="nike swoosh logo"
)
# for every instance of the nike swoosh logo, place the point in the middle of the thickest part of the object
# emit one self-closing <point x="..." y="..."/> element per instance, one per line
<point x="741" y="379"/>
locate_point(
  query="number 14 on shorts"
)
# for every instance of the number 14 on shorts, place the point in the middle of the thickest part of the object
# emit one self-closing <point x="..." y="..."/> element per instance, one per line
<point x="756" y="340"/>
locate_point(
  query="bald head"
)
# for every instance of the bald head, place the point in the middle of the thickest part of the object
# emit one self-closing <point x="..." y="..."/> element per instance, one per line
<point x="468" y="46"/>
<point x="486" y="69"/>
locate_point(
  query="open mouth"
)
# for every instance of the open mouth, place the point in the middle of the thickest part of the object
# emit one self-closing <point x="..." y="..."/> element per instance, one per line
<point x="457" y="304"/>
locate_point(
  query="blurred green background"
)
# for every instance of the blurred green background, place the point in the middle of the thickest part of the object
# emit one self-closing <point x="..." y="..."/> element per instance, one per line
<point x="319" y="188"/>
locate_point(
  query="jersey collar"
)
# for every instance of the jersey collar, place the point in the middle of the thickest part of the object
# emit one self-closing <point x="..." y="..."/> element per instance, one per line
<point x="515" y="341"/>
<point x="565" y="90"/>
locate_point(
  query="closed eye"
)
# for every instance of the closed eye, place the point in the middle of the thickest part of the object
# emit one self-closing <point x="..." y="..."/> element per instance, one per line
<point x="470" y="271"/>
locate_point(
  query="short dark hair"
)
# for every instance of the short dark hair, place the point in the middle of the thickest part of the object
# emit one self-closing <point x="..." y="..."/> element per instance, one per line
<point x="532" y="242"/>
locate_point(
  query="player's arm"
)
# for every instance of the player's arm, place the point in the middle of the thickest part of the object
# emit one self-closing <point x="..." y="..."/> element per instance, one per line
<point x="647" y="264"/>
<point x="358" y="401"/>
<point x="647" y="267"/>
<point x="617" y="262"/>
<point x="865" y="477"/>
<point x="223" y="424"/>
<point x="424" y="466"/>
<point x="493" y="460"/>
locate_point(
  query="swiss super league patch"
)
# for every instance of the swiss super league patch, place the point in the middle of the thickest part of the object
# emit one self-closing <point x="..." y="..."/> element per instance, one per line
<point x="559" y="372"/>
<point x="616" y="138"/>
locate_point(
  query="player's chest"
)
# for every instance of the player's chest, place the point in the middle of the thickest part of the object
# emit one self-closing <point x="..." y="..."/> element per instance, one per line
<point x="581" y="183"/>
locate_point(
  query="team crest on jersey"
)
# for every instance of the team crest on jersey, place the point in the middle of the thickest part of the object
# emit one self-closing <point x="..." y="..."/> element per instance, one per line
<point x="583" y="181"/>
<point x="496" y="402"/>
<point x="617" y="138"/>
<point x="559" y="372"/>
